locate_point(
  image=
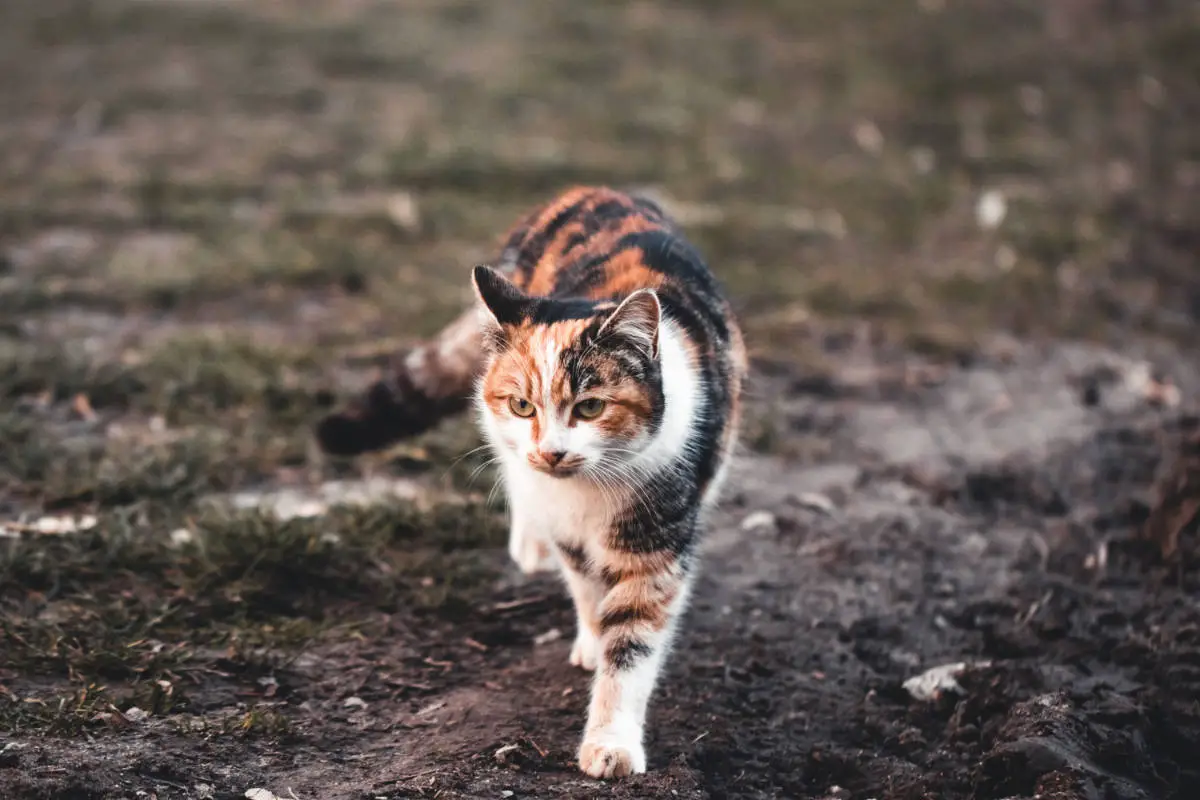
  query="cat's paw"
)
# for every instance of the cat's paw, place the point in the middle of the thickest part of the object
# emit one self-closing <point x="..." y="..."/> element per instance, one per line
<point x="586" y="651"/>
<point x="605" y="760"/>
<point x="531" y="554"/>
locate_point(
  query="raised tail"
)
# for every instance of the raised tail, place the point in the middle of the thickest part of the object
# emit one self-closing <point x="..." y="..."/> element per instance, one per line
<point x="426" y="384"/>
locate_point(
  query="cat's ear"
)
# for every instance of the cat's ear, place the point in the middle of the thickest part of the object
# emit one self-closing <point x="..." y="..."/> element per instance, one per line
<point x="637" y="319"/>
<point x="500" y="296"/>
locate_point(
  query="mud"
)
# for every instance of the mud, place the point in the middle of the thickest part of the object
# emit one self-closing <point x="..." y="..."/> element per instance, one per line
<point x="1022" y="561"/>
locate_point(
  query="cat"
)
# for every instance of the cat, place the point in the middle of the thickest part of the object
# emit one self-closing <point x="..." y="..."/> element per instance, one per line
<point x="606" y="368"/>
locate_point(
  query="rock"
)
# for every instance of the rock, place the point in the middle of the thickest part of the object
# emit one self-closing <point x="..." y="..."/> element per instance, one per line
<point x="552" y="635"/>
<point x="760" y="522"/>
<point x="933" y="683"/>
<point x="991" y="209"/>
<point x="814" y="501"/>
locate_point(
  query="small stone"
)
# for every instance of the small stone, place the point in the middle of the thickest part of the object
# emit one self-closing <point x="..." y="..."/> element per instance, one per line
<point x="136" y="714"/>
<point x="816" y="502"/>
<point x="932" y="683"/>
<point x="64" y="524"/>
<point x="552" y="635"/>
<point x="759" y="521"/>
<point x="924" y="159"/>
<point x="82" y="407"/>
<point x="501" y="754"/>
<point x="1006" y="258"/>
<point x="868" y="136"/>
<point x="991" y="209"/>
<point x="832" y="223"/>
<point x="403" y="211"/>
<point x="354" y="702"/>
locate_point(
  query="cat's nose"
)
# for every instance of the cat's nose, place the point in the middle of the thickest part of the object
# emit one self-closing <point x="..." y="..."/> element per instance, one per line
<point x="552" y="457"/>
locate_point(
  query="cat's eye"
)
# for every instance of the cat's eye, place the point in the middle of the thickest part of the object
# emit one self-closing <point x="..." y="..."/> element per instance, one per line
<point x="520" y="406"/>
<point x="590" y="408"/>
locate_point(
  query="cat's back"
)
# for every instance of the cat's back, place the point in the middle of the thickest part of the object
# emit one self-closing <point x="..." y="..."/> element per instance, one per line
<point x="599" y="243"/>
<point x="590" y="241"/>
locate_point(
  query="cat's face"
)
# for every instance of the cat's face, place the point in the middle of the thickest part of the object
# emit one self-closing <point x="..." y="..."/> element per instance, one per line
<point x="570" y="388"/>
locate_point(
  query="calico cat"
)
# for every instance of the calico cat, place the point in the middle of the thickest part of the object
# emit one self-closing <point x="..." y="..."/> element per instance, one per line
<point x="606" y="370"/>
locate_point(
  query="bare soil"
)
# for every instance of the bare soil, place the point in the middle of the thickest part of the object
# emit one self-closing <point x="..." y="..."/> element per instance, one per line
<point x="217" y="219"/>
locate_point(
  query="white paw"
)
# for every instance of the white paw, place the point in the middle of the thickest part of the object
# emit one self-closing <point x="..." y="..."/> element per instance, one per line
<point x="530" y="553"/>
<point x="586" y="650"/>
<point x="606" y="760"/>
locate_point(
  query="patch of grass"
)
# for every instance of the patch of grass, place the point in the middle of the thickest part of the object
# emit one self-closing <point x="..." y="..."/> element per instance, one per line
<point x="312" y="249"/>
<point x="102" y="603"/>
<point x="60" y="371"/>
<point x="197" y="378"/>
<point x="67" y="714"/>
<point x="210" y="411"/>
<point x="184" y="375"/>
<point x="255" y="566"/>
<point x="88" y="706"/>
<point x="106" y="639"/>
<point x="126" y="606"/>
<point x="265" y="720"/>
<point x="48" y="466"/>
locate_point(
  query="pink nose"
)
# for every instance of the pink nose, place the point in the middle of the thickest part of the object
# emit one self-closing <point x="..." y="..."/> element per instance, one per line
<point x="552" y="457"/>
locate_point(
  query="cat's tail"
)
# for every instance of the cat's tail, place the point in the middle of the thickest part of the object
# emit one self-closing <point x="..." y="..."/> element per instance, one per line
<point x="424" y="386"/>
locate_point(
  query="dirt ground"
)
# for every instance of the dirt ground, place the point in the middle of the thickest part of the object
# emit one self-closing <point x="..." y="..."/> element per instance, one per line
<point x="962" y="237"/>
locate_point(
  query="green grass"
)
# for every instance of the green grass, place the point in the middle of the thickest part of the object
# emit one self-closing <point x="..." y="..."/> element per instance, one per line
<point x="125" y="606"/>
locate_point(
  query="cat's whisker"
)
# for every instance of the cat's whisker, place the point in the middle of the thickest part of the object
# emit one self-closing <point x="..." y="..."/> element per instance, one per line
<point x="463" y="457"/>
<point x="475" y="473"/>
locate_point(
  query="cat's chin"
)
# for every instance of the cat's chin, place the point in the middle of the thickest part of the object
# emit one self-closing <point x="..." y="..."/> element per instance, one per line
<point x="559" y="472"/>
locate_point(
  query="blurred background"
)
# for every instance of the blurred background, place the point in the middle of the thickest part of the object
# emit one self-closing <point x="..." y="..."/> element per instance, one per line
<point x="936" y="166"/>
<point x="217" y="219"/>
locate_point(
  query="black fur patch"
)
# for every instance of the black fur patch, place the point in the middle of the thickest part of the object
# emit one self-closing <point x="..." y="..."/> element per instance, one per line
<point x="575" y="557"/>
<point x="623" y="652"/>
<point x="617" y="617"/>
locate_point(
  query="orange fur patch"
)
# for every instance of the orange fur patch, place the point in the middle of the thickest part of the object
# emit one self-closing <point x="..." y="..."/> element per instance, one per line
<point x="606" y="697"/>
<point x="645" y="600"/>
<point x="627" y="272"/>
<point x="617" y="566"/>
<point x="519" y="371"/>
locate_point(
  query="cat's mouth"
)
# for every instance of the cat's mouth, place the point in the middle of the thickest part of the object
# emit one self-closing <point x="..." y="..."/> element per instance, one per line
<point x="563" y="469"/>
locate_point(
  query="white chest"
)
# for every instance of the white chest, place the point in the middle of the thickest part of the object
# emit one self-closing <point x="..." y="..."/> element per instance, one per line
<point x="564" y="510"/>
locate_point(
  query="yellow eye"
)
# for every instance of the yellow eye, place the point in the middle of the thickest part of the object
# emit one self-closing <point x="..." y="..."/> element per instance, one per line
<point x="520" y="406"/>
<point x="590" y="408"/>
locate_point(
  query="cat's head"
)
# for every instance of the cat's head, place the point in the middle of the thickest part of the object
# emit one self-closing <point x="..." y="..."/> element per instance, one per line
<point x="571" y="387"/>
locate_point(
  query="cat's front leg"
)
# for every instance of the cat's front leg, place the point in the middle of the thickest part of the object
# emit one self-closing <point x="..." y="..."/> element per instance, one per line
<point x="638" y="615"/>
<point x="586" y="592"/>
<point x="527" y="545"/>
